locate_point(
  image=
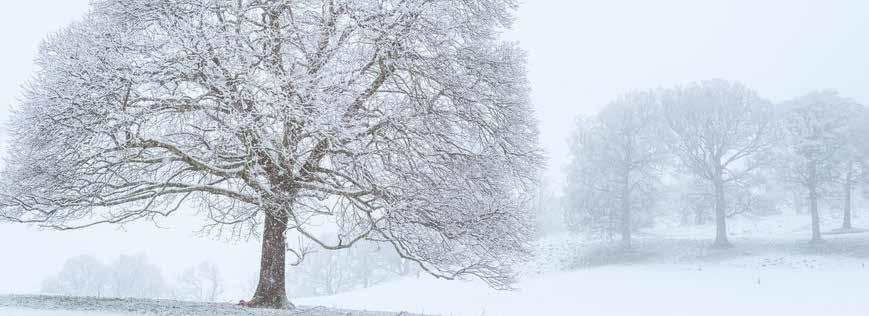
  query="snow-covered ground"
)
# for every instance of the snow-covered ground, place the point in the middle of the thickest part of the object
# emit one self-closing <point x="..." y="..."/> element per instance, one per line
<point x="772" y="270"/>
<point x="41" y="305"/>
<point x="10" y="311"/>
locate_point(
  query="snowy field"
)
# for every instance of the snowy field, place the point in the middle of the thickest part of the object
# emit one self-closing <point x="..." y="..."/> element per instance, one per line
<point x="774" y="272"/>
<point x="771" y="270"/>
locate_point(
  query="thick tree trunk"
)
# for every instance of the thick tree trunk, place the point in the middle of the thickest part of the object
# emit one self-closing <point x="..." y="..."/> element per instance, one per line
<point x="720" y="214"/>
<point x="271" y="291"/>
<point x="846" y="218"/>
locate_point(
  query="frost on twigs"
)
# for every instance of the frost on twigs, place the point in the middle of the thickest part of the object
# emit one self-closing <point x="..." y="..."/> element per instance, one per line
<point x="402" y="122"/>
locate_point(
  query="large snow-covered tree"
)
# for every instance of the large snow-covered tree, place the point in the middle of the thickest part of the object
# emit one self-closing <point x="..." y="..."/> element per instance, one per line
<point x="402" y="122"/>
<point x="613" y="170"/>
<point x="721" y="131"/>
<point x="816" y="146"/>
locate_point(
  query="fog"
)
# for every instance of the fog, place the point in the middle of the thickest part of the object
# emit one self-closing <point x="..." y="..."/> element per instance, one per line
<point x="581" y="55"/>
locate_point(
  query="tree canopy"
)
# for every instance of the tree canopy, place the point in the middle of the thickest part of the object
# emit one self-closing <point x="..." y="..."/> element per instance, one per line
<point x="404" y="122"/>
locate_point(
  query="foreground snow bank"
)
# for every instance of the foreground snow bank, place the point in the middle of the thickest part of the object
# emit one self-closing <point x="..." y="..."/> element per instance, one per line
<point x="79" y="306"/>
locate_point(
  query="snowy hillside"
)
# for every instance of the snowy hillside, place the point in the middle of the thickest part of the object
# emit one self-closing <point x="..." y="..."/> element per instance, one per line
<point x="676" y="274"/>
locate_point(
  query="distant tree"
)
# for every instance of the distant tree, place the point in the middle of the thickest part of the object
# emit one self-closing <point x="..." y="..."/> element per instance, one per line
<point x="684" y="199"/>
<point x="81" y="276"/>
<point x="816" y="146"/>
<point x="850" y="175"/>
<point x="126" y="277"/>
<point x="332" y="272"/>
<point x="548" y="210"/>
<point x="722" y="131"/>
<point x="750" y="196"/>
<point x="135" y="277"/>
<point x="855" y="156"/>
<point x="201" y="283"/>
<point x="406" y="122"/>
<point x="325" y="273"/>
<point x="612" y="173"/>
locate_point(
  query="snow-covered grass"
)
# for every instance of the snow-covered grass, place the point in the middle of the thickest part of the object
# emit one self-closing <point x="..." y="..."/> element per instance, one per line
<point x="81" y="306"/>
<point x="14" y="311"/>
<point x="771" y="270"/>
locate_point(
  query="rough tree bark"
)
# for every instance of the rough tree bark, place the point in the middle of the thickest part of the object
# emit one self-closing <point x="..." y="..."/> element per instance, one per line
<point x="271" y="290"/>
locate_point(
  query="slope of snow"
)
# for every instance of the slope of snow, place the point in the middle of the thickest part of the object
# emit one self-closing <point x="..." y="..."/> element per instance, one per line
<point x="633" y="290"/>
<point x="772" y="270"/>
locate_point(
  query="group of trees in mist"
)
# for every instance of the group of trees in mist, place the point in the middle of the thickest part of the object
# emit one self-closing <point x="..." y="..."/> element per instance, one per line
<point x="133" y="276"/>
<point x="332" y="272"/>
<point x="402" y="123"/>
<point x="718" y="145"/>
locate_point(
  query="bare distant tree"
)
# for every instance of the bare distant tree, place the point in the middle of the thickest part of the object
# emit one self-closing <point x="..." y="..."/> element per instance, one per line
<point x="336" y="271"/>
<point x="81" y="276"/>
<point x="851" y="171"/>
<point x="548" y="210"/>
<point x="135" y="276"/>
<point x="201" y="283"/>
<point x="128" y="276"/>
<point x="751" y="196"/>
<point x="816" y="145"/>
<point x="722" y="131"/>
<point x="325" y="273"/>
<point x="613" y="171"/>
<point x="406" y="122"/>
<point x="855" y="156"/>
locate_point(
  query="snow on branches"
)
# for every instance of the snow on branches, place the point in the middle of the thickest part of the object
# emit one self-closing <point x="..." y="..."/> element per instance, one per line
<point x="405" y="122"/>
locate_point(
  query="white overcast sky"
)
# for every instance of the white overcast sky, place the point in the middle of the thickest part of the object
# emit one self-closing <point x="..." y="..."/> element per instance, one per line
<point x="582" y="53"/>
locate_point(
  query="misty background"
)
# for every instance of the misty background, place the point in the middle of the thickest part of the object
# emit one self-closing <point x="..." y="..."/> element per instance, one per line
<point x="581" y="54"/>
